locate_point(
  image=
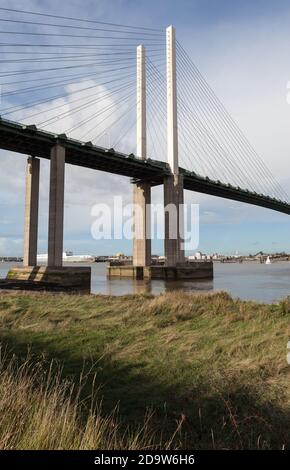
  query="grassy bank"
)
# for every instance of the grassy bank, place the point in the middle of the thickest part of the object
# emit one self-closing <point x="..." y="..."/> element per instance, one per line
<point x="210" y="372"/>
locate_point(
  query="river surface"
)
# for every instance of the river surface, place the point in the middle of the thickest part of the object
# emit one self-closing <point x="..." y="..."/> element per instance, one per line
<point x="254" y="281"/>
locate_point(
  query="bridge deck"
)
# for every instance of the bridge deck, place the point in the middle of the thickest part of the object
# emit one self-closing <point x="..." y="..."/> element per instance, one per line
<point x="29" y="140"/>
<point x="35" y="142"/>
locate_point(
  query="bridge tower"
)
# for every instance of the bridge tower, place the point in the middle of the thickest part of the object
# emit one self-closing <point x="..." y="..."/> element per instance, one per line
<point x="173" y="184"/>
<point x="142" y="189"/>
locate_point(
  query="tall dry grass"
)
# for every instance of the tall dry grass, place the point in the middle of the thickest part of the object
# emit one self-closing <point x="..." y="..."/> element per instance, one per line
<point x="40" y="410"/>
<point x="213" y="369"/>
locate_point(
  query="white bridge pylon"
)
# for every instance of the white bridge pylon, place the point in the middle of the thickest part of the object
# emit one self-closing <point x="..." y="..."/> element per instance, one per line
<point x="173" y="184"/>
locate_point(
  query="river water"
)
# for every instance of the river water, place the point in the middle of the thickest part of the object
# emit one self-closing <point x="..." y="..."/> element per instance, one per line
<point x="253" y="281"/>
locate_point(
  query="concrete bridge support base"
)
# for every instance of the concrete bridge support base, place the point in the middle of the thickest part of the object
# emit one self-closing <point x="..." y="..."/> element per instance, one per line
<point x="41" y="278"/>
<point x="198" y="271"/>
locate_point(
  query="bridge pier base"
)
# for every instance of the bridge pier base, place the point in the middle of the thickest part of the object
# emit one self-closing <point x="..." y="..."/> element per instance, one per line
<point x="31" y="212"/>
<point x="187" y="271"/>
<point x="142" y="224"/>
<point x="41" y="278"/>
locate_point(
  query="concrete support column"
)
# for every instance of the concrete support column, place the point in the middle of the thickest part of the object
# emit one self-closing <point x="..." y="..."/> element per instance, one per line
<point x="173" y="220"/>
<point x="141" y="103"/>
<point x="172" y="130"/>
<point x="142" y="224"/>
<point x="173" y="185"/>
<point x="31" y="212"/>
<point x="141" y="190"/>
<point x="56" y="206"/>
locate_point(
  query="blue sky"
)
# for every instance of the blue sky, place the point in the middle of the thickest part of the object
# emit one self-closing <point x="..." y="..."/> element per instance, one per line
<point x="242" y="48"/>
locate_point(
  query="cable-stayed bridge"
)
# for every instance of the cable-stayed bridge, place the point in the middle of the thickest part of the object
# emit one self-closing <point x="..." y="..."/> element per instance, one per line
<point x="69" y="95"/>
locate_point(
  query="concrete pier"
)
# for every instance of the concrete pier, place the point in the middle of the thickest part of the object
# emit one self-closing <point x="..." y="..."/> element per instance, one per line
<point x="56" y="206"/>
<point x="31" y="212"/>
<point x="53" y="277"/>
<point x="175" y="267"/>
<point x="173" y="220"/>
<point x="142" y="224"/>
<point x="173" y="185"/>
<point x="141" y="190"/>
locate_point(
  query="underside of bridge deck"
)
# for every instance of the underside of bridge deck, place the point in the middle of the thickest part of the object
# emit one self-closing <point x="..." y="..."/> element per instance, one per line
<point x="29" y="140"/>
